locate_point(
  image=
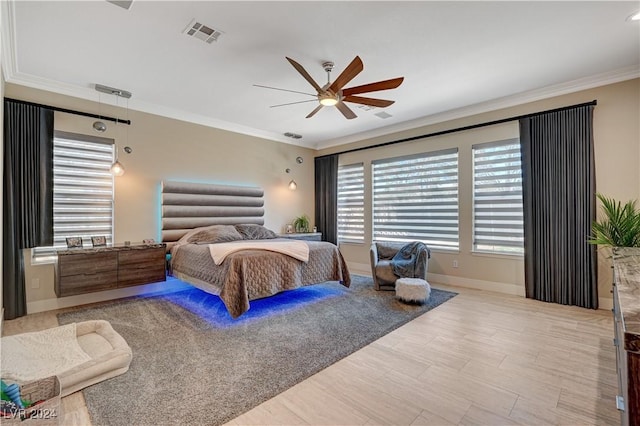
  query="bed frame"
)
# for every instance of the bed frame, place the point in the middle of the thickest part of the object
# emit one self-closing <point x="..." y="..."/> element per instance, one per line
<point x="242" y="278"/>
<point x="190" y="205"/>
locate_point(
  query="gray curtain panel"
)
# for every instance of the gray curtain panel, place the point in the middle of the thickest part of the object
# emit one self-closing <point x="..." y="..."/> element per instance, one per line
<point x="559" y="206"/>
<point x="27" y="195"/>
<point x="326" y="178"/>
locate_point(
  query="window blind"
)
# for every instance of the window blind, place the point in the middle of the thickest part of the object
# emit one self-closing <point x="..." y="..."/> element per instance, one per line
<point x="497" y="197"/>
<point x="416" y="198"/>
<point x="82" y="191"/>
<point x="351" y="203"/>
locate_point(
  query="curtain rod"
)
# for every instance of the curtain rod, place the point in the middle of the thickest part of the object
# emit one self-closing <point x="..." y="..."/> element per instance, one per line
<point x="460" y="129"/>
<point x="70" y="111"/>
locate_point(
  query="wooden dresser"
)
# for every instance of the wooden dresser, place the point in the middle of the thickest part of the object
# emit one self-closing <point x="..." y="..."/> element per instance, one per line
<point x="626" y="310"/>
<point x="87" y="270"/>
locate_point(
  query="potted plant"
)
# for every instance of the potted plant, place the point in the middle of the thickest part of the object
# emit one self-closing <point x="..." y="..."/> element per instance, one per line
<point x="620" y="226"/>
<point x="301" y="223"/>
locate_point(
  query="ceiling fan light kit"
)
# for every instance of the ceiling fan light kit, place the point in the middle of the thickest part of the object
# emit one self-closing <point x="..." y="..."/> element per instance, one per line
<point x="328" y="99"/>
<point x="334" y="94"/>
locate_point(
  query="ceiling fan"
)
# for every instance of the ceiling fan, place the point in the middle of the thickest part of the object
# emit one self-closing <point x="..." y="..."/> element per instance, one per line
<point x="334" y="94"/>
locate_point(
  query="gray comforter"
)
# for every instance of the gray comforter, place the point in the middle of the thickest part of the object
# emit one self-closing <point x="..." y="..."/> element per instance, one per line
<point x="254" y="274"/>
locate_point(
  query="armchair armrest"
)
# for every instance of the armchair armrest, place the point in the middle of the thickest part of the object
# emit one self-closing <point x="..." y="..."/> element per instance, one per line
<point x="373" y="257"/>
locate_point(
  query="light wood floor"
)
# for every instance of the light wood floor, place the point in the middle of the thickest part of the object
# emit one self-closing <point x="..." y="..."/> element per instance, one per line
<point x="480" y="358"/>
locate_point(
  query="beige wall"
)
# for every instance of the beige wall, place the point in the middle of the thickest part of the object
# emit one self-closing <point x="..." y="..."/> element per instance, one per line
<point x="617" y="151"/>
<point x="170" y="149"/>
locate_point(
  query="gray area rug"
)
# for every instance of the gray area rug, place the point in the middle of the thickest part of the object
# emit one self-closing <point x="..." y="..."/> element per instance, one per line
<point x="193" y="364"/>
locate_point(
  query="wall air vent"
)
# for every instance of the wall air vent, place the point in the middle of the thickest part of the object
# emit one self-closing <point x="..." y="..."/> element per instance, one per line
<point x="293" y="135"/>
<point x="202" y="32"/>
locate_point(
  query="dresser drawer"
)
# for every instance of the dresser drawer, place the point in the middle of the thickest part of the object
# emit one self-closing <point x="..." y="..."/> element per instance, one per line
<point x="144" y="275"/>
<point x="87" y="263"/>
<point x="141" y="266"/>
<point x="85" y="283"/>
<point x="138" y="257"/>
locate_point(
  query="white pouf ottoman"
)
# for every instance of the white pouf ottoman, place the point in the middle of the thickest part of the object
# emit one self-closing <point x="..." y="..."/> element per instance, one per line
<point x="412" y="289"/>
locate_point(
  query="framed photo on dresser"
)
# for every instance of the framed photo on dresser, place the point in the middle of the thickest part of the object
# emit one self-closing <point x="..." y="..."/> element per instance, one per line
<point x="99" y="241"/>
<point x="74" y="242"/>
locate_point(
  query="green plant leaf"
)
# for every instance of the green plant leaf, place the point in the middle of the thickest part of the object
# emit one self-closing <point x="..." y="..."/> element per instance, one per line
<point x="620" y="226"/>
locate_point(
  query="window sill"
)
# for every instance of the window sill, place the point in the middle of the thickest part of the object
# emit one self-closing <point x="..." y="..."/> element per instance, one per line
<point x="515" y="256"/>
<point x="355" y="243"/>
<point x="444" y="251"/>
<point x="49" y="260"/>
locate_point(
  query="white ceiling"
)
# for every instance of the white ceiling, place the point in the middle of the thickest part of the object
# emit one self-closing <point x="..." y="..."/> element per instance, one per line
<point x="457" y="57"/>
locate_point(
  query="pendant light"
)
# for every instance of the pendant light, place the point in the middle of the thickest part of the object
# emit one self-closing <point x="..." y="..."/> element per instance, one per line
<point x="117" y="169"/>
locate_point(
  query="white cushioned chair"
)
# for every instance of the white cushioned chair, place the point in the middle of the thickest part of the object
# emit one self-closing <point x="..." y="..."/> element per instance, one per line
<point x="382" y="252"/>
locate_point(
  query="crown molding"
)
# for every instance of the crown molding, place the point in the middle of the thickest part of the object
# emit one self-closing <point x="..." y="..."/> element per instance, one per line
<point x="13" y="75"/>
<point x="616" y="76"/>
<point x="7" y="36"/>
<point x="136" y="105"/>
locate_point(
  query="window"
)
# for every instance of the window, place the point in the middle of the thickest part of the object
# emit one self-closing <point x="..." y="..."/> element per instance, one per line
<point x="416" y="198"/>
<point x="351" y="203"/>
<point x="497" y="198"/>
<point x="82" y="191"/>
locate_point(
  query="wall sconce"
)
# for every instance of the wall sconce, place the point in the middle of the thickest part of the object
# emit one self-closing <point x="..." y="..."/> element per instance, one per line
<point x="292" y="184"/>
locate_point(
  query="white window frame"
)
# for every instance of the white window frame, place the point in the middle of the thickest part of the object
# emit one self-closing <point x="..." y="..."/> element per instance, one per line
<point x="351" y="203"/>
<point x="497" y="198"/>
<point x="423" y="189"/>
<point x="69" y="175"/>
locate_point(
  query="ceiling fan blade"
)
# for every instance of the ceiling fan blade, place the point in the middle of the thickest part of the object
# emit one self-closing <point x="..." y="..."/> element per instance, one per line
<point x="381" y="103"/>
<point x="345" y="110"/>
<point x="285" y="90"/>
<point x="353" y="69"/>
<point x="305" y="74"/>
<point x="293" y="103"/>
<point x="374" y="87"/>
<point x="312" y="113"/>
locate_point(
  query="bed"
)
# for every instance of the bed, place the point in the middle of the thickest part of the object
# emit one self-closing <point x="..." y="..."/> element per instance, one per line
<point x="196" y="216"/>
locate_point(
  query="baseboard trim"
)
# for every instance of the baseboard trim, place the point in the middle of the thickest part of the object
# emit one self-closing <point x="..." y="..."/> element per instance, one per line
<point x="605" y="303"/>
<point x="505" y="288"/>
<point x="359" y="268"/>
<point x="170" y="286"/>
<point x="494" y="286"/>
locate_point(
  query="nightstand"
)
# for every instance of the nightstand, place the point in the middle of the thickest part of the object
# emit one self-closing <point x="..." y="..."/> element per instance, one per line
<point x="308" y="236"/>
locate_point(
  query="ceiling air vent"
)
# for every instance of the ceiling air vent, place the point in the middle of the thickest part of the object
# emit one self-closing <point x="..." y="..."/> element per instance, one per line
<point x="366" y="107"/>
<point x="202" y="32"/>
<point x="293" y="135"/>
<point x="383" y="114"/>
<point x="125" y="4"/>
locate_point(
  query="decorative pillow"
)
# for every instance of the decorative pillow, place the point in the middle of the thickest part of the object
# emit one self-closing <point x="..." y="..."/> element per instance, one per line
<point x="255" y="232"/>
<point x="213" y="234"/>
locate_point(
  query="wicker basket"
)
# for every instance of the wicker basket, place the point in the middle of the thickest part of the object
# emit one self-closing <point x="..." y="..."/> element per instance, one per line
<point x="47" y="413"/>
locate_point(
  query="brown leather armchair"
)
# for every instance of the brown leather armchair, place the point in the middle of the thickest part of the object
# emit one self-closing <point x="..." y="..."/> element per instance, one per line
<point x="382" y="252"/>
